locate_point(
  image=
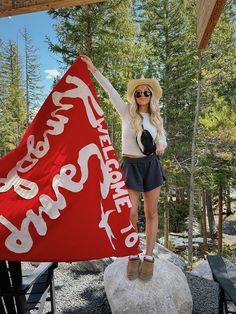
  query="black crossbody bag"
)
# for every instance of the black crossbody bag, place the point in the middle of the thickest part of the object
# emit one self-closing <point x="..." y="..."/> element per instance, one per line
<point x="146" y="142"/>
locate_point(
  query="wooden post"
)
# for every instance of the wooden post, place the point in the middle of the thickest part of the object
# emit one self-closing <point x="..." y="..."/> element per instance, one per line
<point x="208" y="14"/>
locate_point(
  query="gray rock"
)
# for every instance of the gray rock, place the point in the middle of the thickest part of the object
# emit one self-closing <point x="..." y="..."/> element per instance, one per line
<point x="94" y="266"/>
<point x="203" y="270"/>
<point x="167" y="292"/>
<point x="165" y="254"/>
<point x="229" y="227"/>
<point x="180" y="242"/>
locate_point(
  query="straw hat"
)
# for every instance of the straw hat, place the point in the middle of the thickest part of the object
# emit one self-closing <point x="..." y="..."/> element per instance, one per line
<point x="153" y="83"/>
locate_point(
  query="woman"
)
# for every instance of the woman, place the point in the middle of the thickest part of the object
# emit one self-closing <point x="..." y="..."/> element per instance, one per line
<point x="142" y="173"/>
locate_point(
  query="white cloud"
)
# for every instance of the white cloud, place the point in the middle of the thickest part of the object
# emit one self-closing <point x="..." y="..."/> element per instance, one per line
<point x="51" y="73"/>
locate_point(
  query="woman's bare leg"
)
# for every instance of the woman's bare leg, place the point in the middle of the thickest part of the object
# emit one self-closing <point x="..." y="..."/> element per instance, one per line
<point x="134" y="198"/>
<point x="134" y="261"/>
<point x="151" y="199"/>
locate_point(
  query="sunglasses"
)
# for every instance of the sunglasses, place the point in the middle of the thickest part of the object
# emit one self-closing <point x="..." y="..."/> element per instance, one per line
<point x="146" y="93"/>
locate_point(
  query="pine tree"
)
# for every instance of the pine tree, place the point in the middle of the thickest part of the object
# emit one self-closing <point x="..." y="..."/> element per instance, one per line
<point x="172" y="59"/>
<point x="33" y="89"/>
<point x="2" y="86"/>
<point x="107" y="34"/>
<point x="13" y="111"/>
<point x="218" y="130"/>
<point x="216" y="140"/>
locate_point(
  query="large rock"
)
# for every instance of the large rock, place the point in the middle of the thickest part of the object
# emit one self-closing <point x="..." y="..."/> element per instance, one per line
<point x="203" y="270"/>
<point x="167" y="292"/>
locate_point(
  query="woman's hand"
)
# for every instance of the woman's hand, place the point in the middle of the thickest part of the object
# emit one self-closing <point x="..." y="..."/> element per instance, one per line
<point x="89" y="63"/>
<point x="160" y="149"/>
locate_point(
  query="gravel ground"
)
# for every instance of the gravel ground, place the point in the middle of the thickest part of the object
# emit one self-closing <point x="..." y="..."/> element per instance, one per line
<point x="79" y="293"/>
<point x="204" y="293"/>
<point x="83" y="293"/>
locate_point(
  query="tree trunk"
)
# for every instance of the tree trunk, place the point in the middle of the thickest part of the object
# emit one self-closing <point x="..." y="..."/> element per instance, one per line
<point x="228" y="202"/>
<point x="88" y="34"/>
<point x="192" y="169"/>
<point x="27" y="83"/>
<point x="210" y="216"/>
<point x="177" y="200"/>
<point x="204" y="226"/>
<point x="220" y="223"/>
<point x="200" y="228"/>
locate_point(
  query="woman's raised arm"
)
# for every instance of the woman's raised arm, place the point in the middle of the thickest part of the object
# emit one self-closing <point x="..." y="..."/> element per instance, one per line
<point x="114" y="96"/>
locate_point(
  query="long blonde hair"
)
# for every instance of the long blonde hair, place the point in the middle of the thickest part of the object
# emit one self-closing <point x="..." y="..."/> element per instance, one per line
<point x="155" y="116"/>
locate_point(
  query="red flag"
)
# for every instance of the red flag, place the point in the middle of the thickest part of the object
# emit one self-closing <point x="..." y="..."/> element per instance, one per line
<point x="62" y="193"/>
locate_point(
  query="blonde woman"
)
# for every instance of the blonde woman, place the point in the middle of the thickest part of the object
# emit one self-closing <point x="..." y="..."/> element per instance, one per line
<point x="142" y="173"/>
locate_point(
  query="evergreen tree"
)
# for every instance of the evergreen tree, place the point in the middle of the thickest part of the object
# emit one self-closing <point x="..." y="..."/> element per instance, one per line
<point x="33" y="90"/>
<point x="13" y="113"/>
<point x="2" y="86"/>
<point x="107" y="34"/>
<point x="218" y="129"/>
<point x="172" y="59"/>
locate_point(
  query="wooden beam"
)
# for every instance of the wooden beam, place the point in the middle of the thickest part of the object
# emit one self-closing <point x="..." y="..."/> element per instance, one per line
<point x="14" y="7"/>
<point x="208" y="13"/>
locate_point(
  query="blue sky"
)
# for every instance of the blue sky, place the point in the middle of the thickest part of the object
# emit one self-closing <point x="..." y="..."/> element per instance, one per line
<point x="39" y="25"/>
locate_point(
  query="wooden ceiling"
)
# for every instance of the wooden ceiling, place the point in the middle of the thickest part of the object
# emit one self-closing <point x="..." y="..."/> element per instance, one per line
<point x="14" y="7"/>
<point x="208" y="12"/>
